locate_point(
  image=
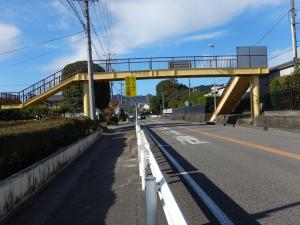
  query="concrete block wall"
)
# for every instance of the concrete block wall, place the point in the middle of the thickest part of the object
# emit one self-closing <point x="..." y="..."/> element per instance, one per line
<point x="289" y="120"/>
<point x="201" y="118"/>
<point x="19" y="187"/>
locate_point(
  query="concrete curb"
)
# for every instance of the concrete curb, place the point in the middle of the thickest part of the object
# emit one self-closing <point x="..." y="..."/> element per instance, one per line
<point x="19" y="187"/>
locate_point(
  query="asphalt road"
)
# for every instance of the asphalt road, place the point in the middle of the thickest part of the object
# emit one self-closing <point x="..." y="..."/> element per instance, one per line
<point x="251" y="175"/>
<point x="102" y="186"/>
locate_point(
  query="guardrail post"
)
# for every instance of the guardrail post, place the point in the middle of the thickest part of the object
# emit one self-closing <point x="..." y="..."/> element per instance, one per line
<point x="143" y="170"/>
<point x="139" y="151"/>
<point x="151" y="201"/>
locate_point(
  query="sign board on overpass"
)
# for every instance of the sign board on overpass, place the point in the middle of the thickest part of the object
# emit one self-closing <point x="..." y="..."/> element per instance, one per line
<point x="130" y="86"/>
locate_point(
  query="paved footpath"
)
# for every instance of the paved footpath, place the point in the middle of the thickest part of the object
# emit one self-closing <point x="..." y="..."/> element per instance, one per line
<point x="101" y="187"/>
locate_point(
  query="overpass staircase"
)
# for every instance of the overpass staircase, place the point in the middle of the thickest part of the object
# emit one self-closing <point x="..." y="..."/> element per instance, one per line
<point x="231" y="97"/>
<point x="151" y="68"/>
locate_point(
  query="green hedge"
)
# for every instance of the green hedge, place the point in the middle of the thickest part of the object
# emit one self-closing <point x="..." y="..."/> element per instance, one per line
<point x="12" y="114"/>
<point x="35" y="112"/>
<point x="285" y="82"/>
<point x="24" y="143"/>
<point x="284" y="93"/>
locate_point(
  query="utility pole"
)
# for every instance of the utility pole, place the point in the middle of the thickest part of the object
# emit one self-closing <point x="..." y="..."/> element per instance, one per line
<point x="294" y="34"/>
<point x="190" y="90"/>
<point x="111" y="90"/>
<point x="109" y="67"/>
<point x="163" y="101"/>
<point x="215" y="98"/>
<point x="89" y="60"/>
<point x="121" y="83"/>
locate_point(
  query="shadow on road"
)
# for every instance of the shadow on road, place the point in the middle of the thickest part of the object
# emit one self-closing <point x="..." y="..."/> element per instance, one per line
<point x="82" y="193"/>
<point x="233" y="210"/>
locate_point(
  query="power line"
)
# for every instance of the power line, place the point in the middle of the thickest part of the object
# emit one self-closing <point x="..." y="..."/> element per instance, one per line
<point x="96" y="34"/>
<point x="34" y="57"/>
<point x="75" y="12"/>
<point x="272" y="27"/>
<point x="275" y="56"/>
<point x="105" y="21"/>
<point x="93" y="28"/>
<point x="102" y="26"/>
<point x="40" y="43"/>
<point x="108" y="18"/>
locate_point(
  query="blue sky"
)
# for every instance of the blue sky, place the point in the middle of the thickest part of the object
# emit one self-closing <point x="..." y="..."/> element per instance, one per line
<point x="136" y="28"/>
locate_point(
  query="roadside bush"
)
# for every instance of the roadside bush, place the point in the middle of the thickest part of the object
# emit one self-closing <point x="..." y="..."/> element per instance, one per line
<point x="11" y="114"/>
<point x="73" y="95"/>
<point x="25" y="143"/>
<point x="36" y="112"/>
<point x="284" y="92"/>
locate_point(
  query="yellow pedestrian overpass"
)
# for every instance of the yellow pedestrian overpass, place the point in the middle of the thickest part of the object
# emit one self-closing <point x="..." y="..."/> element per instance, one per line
<point x="243" y="75"/>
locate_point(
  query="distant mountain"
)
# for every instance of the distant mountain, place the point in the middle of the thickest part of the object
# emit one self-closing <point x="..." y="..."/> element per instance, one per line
<point x="137" y="99"/>
<point x="204" y="88"/>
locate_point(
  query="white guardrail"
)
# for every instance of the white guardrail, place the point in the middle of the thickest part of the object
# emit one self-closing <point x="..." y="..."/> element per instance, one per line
<point x="156" y="184"/>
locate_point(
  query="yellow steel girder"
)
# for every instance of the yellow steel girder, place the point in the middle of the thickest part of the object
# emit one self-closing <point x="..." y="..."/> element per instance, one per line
<point x="148" y="74"/>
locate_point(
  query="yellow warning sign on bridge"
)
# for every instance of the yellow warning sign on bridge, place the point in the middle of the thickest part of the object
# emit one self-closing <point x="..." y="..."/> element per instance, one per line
<point x="130" y="86"/>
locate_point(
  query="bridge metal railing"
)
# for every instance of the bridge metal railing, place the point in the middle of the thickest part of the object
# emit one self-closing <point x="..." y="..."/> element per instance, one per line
<point x="159" y="63"/>
<point x="31" y="91"/>
<point x="136" y="64"/>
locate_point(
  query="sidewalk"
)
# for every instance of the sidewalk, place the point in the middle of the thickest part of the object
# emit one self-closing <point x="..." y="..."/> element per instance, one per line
<point x="101" y="187"/>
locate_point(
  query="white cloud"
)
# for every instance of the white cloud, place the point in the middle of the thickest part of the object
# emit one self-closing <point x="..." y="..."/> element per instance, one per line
<point x="62" y="22"/>
<point x="200" y="37"/>
<point x="78" y="52"/>
<point x="281" y="56"/>
<point x="59" y="6"/>
<point x="9" y="37"/>
<point x="140" y="23"/>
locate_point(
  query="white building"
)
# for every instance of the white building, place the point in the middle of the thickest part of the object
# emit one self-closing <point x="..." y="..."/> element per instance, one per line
<point x="218" y="89"/>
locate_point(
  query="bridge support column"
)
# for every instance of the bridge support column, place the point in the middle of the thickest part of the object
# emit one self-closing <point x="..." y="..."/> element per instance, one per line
<point x="86" y="98"/>
<point x="255" y="100"/>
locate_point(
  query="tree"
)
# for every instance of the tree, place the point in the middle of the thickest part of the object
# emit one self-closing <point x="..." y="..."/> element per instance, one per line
<point x="284" y="92"/>
<point x="154" y="105"/>
<point x="174" y="93"/>
<point x="286" y="82"/>
<point x="102" y="94"/>
<point x="73" y="96"/>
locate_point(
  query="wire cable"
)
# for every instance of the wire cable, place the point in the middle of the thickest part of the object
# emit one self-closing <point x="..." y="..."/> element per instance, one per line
<point x="102" y="27"/>
<point x="275" y="56"/>
<point x="33" y="58"/>
<point x="76" y="13"/>
<point x="96" y="34"/>
<point x="40" y="43"/>
<point x="272" y="27"/>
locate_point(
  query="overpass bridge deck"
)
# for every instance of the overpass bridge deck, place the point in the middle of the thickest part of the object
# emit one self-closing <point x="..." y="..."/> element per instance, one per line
<point x="142" y="68"/>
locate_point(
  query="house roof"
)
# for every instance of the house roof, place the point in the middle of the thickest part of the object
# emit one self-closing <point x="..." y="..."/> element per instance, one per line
<point x="55" y="98"/>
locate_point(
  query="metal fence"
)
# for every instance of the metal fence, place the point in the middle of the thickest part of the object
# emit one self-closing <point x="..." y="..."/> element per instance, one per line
<point x="287" y="99"/>
<point x="158" y="63"/>
<point x="134" y="64"/>
<point x="33" y="90"/>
